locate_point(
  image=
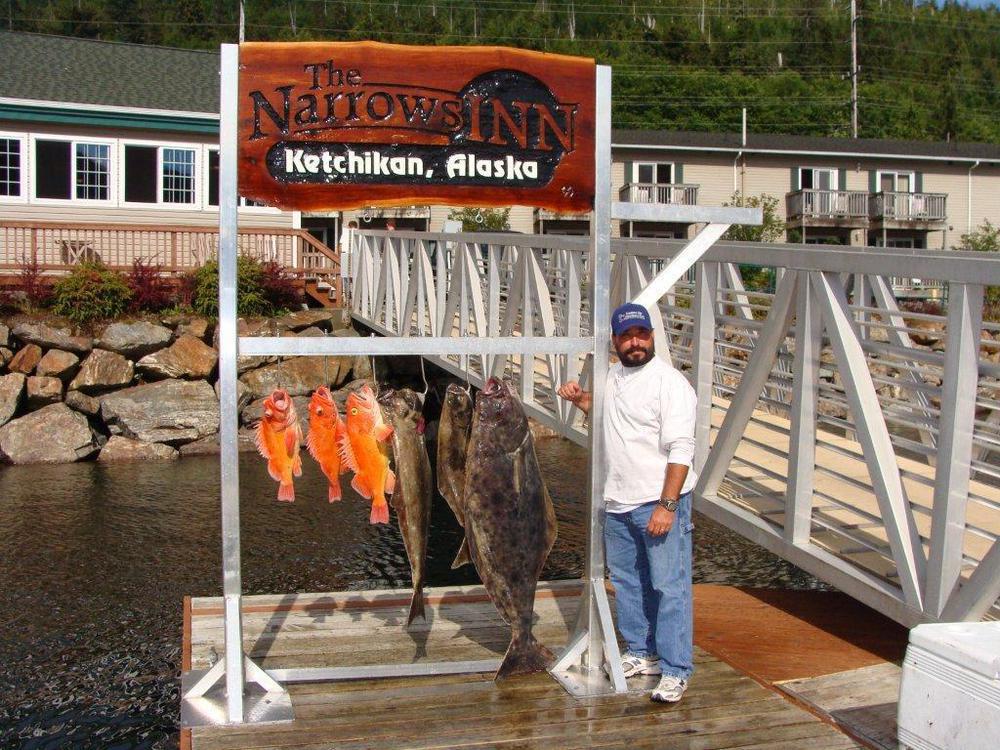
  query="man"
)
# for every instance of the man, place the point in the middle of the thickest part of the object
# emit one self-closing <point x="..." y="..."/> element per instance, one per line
<point x="649" y="418"/>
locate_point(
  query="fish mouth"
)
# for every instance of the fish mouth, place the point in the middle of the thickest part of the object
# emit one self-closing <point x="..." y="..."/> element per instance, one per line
<point x="494" y="387"/>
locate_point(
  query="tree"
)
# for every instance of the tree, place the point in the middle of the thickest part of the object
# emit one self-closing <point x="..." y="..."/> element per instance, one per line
<point x="985" y="238"/>
<point x="482" y="219"/>
<point x="773" y="228"/>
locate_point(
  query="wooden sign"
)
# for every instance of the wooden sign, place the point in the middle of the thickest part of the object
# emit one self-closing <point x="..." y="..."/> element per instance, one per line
<point x="326" y="126"/>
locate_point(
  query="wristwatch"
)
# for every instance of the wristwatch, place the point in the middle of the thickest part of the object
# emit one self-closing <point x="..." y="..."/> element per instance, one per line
<point x="668" y="504"/>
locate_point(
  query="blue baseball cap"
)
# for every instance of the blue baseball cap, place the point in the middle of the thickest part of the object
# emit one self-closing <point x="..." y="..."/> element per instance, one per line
<point x="628" y="316"/>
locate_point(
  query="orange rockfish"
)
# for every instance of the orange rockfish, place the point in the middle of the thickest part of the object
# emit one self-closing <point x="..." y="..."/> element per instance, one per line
<point x="360" y="452"/>
<point x="323" y="440"/>
<point x="278" y="437"/>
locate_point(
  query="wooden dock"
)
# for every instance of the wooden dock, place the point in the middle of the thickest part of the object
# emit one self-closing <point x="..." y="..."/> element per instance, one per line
<point x="735" y="699"/>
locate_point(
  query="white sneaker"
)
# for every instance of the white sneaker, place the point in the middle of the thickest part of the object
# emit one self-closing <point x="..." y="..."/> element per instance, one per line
<point x="670" y="689"/>
<point x="633" y="665"/>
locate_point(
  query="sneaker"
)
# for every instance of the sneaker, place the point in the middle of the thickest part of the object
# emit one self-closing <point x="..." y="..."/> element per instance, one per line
<point x="669" y="690"/>
<point x="633" y="665"/>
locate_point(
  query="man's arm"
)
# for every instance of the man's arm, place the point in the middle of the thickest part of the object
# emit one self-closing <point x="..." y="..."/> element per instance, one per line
<point x="572" y="392"/>
<point x="662" y="519"/>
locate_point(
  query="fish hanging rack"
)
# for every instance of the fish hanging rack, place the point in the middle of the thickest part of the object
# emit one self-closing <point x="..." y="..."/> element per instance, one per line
<point x="236" y="689"/>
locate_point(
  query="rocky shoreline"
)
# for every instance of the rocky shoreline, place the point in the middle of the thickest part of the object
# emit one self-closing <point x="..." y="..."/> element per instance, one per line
<point x="147" y="389"/>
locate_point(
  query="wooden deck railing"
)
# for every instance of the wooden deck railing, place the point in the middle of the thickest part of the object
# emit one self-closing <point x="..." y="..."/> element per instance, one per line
<point x="642" y="192"/>
<point x="843" y="204"/>
<point x="908" y="206"/>
<point x="58" y="246"/>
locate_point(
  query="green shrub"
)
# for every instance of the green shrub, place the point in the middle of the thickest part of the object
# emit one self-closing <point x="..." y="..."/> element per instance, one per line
<point x="259" y="289"/>
<point x="91" y="292"/>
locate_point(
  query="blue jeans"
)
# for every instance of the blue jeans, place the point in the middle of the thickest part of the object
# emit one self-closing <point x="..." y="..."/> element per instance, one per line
<point x="652" y="580"/>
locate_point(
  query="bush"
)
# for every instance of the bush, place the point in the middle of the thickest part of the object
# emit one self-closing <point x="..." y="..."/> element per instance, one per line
<point x="149" y="289"/>
<point x="32" y="290"/>
<point x="262" y="289"/>
<point x="91" y="292"/>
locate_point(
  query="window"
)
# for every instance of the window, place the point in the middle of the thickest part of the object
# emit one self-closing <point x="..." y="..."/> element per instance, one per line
<point x="65" y="170"/>
<point x="812" y="178"/>
<point x="11" y="169"/>
<point x="213" y="183"/>
<point x="159" y="174"/>
<point x="896" y="182"/>
<point x="653" y="173"/>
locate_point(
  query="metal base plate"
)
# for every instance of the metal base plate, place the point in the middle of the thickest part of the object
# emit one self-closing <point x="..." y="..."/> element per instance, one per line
<point x="582" y="682"/>
<point x="259" y="707"/>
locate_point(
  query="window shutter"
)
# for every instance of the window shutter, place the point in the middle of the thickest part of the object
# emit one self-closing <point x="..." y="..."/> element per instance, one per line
<point x="841" y="179"/>
<point x="629" y="179"/>
<point x="918" y="182"/>
<point x="679" y="174"/>
<point x="796" y="185"/>
<point x="872" y="181"/>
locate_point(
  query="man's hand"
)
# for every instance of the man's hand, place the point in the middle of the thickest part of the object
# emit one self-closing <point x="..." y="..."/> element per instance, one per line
<point x="661" y="521"/>
<point x="572" y="392"/>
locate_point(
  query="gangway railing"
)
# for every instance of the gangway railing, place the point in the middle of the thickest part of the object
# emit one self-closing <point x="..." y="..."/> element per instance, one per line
<point x="857" y="439"/>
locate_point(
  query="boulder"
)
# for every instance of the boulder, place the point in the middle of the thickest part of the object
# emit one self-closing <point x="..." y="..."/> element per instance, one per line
<point x="103" y="371"/>
<point x="42" y="391"/>
<point x="120" y="448"/>
<point x="311" y="332"/>
<point x="209" y="446"/>
<point x="26" y="359"/>
<point x="253" y="328"/>
<point x="83" y="403"/>
<point x="340" y="318"/>
<point x="168" y="411"/>
<point x="925" y="332"/>
<point x="52" y="338"/>
<point x="11" y="393"/>
<point x="53" y="434"/>
<point x="6" y="355"/>
<point x="4" y="335"/>
<point x="134" y="340"/>
<point x="58" y="364"/>
<point x="298" y="375"/>
<point x="197" y="327"/>
<point x="188" y="357"/>
<point x="361" y="367"/>
<point x="243" y="395"/>
<point x="302" y="319"/>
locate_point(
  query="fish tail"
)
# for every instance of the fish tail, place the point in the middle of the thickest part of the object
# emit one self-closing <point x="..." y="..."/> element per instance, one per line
<point x="462" y="558"/>
<point x="524" y="656"/>
<point x="416" y="605"/>
<point x="333" y="494"/>
<point x="380" y="512"/>
<point x="286" y="492"/>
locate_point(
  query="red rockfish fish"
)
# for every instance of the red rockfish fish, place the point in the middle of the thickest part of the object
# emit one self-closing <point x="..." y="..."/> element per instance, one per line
<point x="326" y="430"/>
<point x="360" y="452"/>
<point x="278" y="437"/>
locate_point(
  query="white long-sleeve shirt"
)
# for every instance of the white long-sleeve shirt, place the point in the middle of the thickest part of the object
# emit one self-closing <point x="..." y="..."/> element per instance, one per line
<point x="649" y="418"/>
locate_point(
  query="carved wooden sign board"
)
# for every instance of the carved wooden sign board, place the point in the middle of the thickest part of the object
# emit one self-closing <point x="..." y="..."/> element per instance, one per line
<point x="332" y="126"/>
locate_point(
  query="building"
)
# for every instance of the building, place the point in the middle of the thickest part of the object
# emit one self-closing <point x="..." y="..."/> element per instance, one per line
<point x="126" y="136"/>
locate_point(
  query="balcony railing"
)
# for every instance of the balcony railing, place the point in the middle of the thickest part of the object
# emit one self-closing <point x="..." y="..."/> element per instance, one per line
<point x="908" y="206"/>
<point x="643" y="192"/>
<point x="833" y="204"/>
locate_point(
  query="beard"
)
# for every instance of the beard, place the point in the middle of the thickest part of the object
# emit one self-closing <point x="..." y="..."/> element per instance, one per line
<point x="636" y="356"/>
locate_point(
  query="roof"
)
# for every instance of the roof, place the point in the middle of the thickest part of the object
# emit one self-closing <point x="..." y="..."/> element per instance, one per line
<point x="85" y="71"/>
<point x="798" y="144"/>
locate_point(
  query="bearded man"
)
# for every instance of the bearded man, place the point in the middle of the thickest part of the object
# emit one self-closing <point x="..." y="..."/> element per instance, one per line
<point x="649" y="418"/>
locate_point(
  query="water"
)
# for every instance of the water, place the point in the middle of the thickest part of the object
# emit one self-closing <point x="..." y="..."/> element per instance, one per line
<point x="95" y="561"/>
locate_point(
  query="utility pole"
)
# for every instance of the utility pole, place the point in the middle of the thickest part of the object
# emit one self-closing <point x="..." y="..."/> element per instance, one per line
<point x="242" y="23"/>
<point x="854" y="68"/>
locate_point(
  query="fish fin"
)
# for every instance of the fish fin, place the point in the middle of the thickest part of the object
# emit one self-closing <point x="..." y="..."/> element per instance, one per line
<point x="383" y="432"/>
<point x="416" y="606"/>
<point x="347" y="458"/>
<point x="260" y="442"/>
<point x="390" y="481"/>
<point x="286" y="493"/>
<point x="462" y="558"/>
<point x="333" y="494"/>
<point x="291" y="442"/>
<point x="311" y="442"/>
<point x="524" y="656"/>
<point x="358" y="486"/>
<point x="273" y="471"/>
<point x="380" y="512"/>
<point x="297" y="465"/>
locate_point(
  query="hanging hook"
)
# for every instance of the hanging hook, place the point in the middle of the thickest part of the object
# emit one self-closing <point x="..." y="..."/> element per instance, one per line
<point x="479" y="218"/>
<point x="423" y="374"/>
<point x="366" y="216"/>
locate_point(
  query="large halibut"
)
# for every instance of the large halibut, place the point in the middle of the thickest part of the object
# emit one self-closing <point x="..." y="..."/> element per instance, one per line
<point x="412" y="499"/>
<point x="452" y="447"/>
<point x="509" y="521"/>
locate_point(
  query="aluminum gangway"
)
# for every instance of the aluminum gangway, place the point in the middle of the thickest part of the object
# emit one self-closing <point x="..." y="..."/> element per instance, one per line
<point x="845" y="430"/>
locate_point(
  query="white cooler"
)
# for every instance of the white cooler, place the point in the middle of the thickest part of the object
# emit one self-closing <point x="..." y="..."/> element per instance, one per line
<point x="949" y="696"/>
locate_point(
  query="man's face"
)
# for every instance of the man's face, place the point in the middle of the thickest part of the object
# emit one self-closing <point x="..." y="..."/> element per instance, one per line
<point x="634" y="346"/>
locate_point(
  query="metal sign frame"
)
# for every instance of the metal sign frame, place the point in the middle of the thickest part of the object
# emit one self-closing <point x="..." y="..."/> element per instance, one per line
<point x="237" y="690"/>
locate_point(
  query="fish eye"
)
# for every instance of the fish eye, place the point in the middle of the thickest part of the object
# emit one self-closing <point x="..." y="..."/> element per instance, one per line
<point x="319" y="409"/>
<point x="354" y="411"/>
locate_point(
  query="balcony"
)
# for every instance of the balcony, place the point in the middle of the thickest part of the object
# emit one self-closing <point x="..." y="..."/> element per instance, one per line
<point x="646" y="192"/>
<point x="847" y="208"/>
<point x="891" y="207"/>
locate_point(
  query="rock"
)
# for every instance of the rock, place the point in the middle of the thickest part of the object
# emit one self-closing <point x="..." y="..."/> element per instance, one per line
<point x="58" y="364"/>
<point x="120" y="448"/>
<point x="340" y="318"/>
<point x="52" y="338"/>
<point x="243" y="395"/>
<point x="53" y="434"/>
<point x="188" y="357"/>
<point x="26" y="359"/>
<point x="925" y="332"/>
<point x="83" y="403"/>
<point x="4" y="335"/>
<point x="208" y="446"/>
<point x="6" y="355"/>
<point x="169" y="411"/>
<point x="42" y="391"/>
<point x="361" y="366"/>
<point x="298" y="375"/>
<point x="197" y="327"/>
<point x="301" y="319"/>
<point x="103" y="371"/>
<point x="311" y="332"/>
<point x="134" y="340"/>
<point x="11" y="393"/>
<point x="254" y="328"/>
